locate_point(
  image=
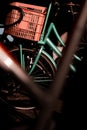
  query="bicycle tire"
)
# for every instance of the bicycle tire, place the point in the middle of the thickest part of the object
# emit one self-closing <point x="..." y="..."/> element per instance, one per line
<point x="44" y="69"/>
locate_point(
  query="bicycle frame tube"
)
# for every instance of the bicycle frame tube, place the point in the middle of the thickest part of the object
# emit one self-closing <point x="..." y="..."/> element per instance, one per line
<point x="46" y="20"/>
<point x="53" y="28"/>
<point x="22" y="59"/>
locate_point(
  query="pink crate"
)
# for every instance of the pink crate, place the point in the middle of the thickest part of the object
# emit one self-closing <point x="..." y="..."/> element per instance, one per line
<point x="31" y="26"/>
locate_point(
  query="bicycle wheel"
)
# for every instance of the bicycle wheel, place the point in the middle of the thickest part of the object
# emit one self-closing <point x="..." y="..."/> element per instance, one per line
<point x="43" y="74"/>
<point x="44" y="71"/>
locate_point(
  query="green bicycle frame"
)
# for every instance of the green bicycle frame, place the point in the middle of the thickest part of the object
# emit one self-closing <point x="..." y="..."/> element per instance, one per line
<point x="46" y="40"/>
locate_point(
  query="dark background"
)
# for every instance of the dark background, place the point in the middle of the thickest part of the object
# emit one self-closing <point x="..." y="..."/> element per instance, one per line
<point x="74" y="92"/>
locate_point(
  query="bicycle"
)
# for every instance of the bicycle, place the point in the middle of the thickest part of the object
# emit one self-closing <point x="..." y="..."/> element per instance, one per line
<point x="36" y="61"/>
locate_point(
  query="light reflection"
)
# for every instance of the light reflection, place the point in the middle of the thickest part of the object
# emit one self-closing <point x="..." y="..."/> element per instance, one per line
<point x="9" y="63"/>
<point x="4" y="58"/>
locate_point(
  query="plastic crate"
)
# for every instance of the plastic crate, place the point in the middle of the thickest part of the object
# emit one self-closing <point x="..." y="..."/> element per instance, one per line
<point x="30" y="27"/>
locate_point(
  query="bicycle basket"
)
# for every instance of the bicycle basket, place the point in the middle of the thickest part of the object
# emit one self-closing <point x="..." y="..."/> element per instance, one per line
<point x="31" y="25"/>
